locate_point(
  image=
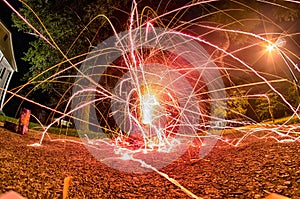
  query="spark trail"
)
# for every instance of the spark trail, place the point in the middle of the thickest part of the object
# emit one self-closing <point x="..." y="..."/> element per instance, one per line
<point x="150" y="92"/>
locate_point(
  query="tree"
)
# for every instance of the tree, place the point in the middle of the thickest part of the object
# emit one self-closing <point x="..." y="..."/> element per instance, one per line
<point x="285" y="11"/>
<point x="293" y="95"/>
<point x="264" y="108"/>
<point x="271" y="106"/>
<point x="67" y="35"/>
<point x="237" y="104"/>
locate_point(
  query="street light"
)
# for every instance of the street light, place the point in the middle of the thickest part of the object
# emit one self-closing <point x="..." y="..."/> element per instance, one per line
<point x="276" y="47"/>
<point x="270" y="48"/>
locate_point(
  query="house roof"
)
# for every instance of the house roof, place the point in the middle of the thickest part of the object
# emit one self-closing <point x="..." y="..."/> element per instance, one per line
<point x="6" y="46"/>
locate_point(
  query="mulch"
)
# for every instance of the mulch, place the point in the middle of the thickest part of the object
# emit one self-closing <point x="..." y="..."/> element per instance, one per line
<point x="253" y="169"/>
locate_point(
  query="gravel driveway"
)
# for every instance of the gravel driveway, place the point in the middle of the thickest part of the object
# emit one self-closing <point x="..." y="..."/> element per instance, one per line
<point x="251" y="170"/>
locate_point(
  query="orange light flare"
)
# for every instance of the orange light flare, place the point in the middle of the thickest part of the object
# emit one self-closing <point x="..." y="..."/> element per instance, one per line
<point x="276" y="49"/>
<point x="272" y="47"/>
<point x="152" y="116"/>
<point x="157" y="111"/>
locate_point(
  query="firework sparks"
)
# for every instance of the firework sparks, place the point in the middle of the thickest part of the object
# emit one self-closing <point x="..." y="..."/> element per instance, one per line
<point x="146" y="94"/>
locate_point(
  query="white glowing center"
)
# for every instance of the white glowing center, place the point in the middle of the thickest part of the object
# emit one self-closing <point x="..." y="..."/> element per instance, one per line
<point x="270" y="47"/>
<point x="148" y="104"/>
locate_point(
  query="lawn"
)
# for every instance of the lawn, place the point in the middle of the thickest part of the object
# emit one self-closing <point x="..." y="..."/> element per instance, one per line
<point x="35" y="126"/>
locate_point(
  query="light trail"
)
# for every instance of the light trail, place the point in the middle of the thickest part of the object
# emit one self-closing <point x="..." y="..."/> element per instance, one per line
<point x="146" y="94"/>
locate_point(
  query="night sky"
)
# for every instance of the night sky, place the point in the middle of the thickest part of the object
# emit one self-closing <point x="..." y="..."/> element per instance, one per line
<point x="20" y="46"/>
<point x="20" y="42"/>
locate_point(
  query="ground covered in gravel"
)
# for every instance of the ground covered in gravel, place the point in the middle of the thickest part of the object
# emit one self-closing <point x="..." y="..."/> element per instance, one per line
<point x="251" y="170"/>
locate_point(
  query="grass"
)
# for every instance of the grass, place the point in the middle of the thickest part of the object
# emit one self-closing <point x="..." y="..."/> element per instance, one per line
<point x="73" y="132"/>
<point x="9" y="119"/>
<point x="284" y="120"/>
<point x="55" y="130"/>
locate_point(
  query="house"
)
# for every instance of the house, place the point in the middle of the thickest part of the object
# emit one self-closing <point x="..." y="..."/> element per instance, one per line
<point x="7" y="62"/>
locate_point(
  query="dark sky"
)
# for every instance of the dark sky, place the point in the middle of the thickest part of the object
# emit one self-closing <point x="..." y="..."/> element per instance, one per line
<point x="20" y="41"/>
<point x="20" y="45"/>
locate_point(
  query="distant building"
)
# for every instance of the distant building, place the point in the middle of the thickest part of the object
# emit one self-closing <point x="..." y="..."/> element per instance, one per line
<point x="7" y="61"/>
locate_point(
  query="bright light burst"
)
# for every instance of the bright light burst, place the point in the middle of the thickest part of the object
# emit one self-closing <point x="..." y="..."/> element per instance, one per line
<point x="270" y="47"/>
<point x="145" y="95"/>
<point x="155" y="102"/>
<point x="148" y="104"/>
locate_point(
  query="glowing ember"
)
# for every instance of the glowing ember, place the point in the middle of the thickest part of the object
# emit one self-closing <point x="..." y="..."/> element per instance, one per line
<point x="34" y="145"/>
